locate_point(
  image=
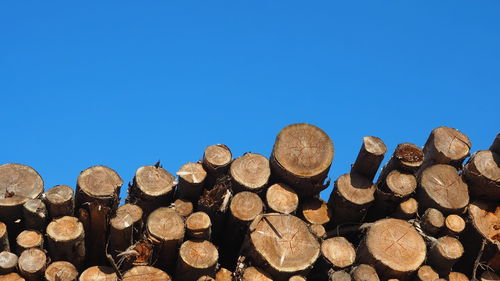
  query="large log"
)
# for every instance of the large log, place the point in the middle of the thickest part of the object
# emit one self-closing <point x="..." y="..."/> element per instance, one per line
<point x="250" y="172"/>
<point x="282" y="245"/>
<point x="32" y="264"/>
<point x="124" y="228"/>
<point x="482" y="172"/>
<point x="61" y="271"/>
<point x="446" y="145"/>
<point x="8" y="262"/>
<point x="191" y="181"/>
<point x="35" y="215"/>
<point x="369" y="157"/>
<point x="301" y="157"/>
<point x="442" y="188"/>
<point x="196" y="259"/>
<point x="281" y="199"/>
<point x="98" y="273"/>
<point x="28" y="239"/>
<point x="66" y="240"/>
<point x="444" y="253"/>
<point x="60" y="201"/>
<point x="198" y="226"/>
<point x="394" y="247"/>
<point x="4" y="238"/>
<point x="145" y="273"/>
<point x="151" y="188"/>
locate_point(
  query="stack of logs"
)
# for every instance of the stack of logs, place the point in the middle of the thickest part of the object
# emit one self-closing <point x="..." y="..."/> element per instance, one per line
<point x="427" y="216"/>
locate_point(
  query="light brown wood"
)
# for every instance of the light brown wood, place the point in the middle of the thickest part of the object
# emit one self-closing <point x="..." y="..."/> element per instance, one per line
<point x="369" y="157"/>
<point x="223" y="275"/>
<point x="191" y="181"/>
<point x="495" y="146"/>
<point x="339" y="252"/>
<point x="394" y="247"/>
<point x="250" y="172"/>
<point x="442" y="188"/>
<point x="165" y="228"/>
<point x="281" y="198"/>
<point x="66" y="240"/>
<point x="318" y="230"/>
<point x="61" y="271"/>
<point x="457" y="276"/>
<point x="340" y="276"/>
<point x="216" y="160"/>
<point x="485" y="217"/>
<point x="482" y="173"/>
<point x="364" y="272"/>
<point x="8" y="262"/>
<point x="28" y="239"/>
<point x="183" y="207"/>
<point x="397" y="185"/>
<point x="315" y="211"/>
<point x="60" y="201"/>
<point x="406" y="210"/>
<point x="447" y="145"/>
<point x="426" y="273"/>
<point x="205" y="278"/>
<point x="35" y="215"/>
<point x="301" y="157"/>
<point x="138" y="254"/>
<point x="444" y="253"/>
<point x="282" y="245"/>
<point x="32" y="264"/>
<point x="454" y="225"/>
<point x="98" y="184"/>
<point x="198" y="226"/>
<point x="432" y="221"/>
<point x="255" y="274"/>
<point x="4" y="238"/>
<point x="196" y="258"/>
<point x="297" y="278"/>
<point x="124" y="228"/>
<point x="11" y="277"/>
<point x="146" y="273"/>
<point x="98" y="273"/>
<point x="489" y="276"/>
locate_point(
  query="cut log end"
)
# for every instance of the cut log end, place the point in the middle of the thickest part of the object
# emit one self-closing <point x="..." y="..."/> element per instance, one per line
<point x="282" y="199"/>
<point x="446" y="145"/>
<point x="369" y="157"/>
<point x="246" y="206"/>
<point x="407" y="209"/>
<point x="454" y="224"/>
<point x="183" y="207"/>
<point x="98" y="273"/>
<point x="485" y="217"/>
<point x="255" y="274"/>
<point x="192" y="173"/>
<point x="315" y="211"/>
<point x="489" y="276"/>
<point x="482" y="172"/>
<point x="126" y="216"/>
<point x="196" y="258"/>
<point x="61" y="271"/>
<point x="408" y="156"/>
<point x="340" y="276"/>
<point x="145" y="273"/>
<point x="216" y="157"/>
<point x="29" y="239"/>
<point x="32" y="264"/>
<point x="400" y="184"/>
<point x="432" y="221"/>
<point x="318" y="230"/>
<point x="223" y="275"/>
<point x="457" y="276"/>
<point x="444" y="253"/>
<point x="154" y="181"/>
<point x="99" y="182"/>
<point x="198" y="226"/>
<point x="65" y="237"/>
<point x="11" y="277"/>
<point x="8" y="262"/>
<point x="356" y="189"/>
<point x="250" y="171"/>
<point x="426" y="273"/>
<point x="339" y="252"/>
<point x="364" y="272"/>
<point x="165" y="224"/>
<point x="60" y="201"/>
<point x="65" y="229"/>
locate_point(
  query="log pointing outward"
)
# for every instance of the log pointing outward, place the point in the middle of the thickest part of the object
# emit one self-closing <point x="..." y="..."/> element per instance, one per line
<point x="183" y="207"/>
<point x="125" y="228"/>
<point x="32" y="264"/>
<point x="28" y="239"/>
<point x="301" y="157"/>
<point x="364" y="272"/>
<point x="66" y="240"/>
<point x="61" y="271"/>
<point x="406" y="210"/>
<point x="340" y="276"/>
<point x="432" y="221"/>
<point x="8" y="262"/>
<point x="35" y="214"/>
<point x="223" y="275"/>
<point x="315" y="211"/>
<point x="282" y="199"/>
<point x="444" y="253"/>
<point x="482" y="172"/>
<point x="4" y="238"/>
<point x="98" y="273"/>
<point x="426" y="273"/>
<point x="191" y="181"/>
<point x="145" y="273"/>
<point x="250" y="172"/>
<point x="60" y="201"/>
<point x="338" y="252"/>
<point x="407" y="157"/>
<point x="198" y="226"/>
<point x="255" y="274"/>
<point x="394" y="247"/>
<point x="447" y="146"/>
<point x="196" y="258"/>
<point x="216" y="160"/>
<point x="454" y="225"/>
<point x="369" y="157"/>
<point x="457" y="276"/>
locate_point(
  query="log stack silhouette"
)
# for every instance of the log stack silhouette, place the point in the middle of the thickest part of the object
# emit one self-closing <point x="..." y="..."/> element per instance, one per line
<point x="432" y="213"/>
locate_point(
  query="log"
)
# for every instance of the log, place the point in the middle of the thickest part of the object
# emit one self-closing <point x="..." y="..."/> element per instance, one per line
<point x="340" y="276"/>
<point x="280" y="198"/>
<point x="146" y="273"/>
<point x="406" y="210"/>
<point x="394" y="247"/>
<point x="364" y="272"/>
<point x="432" y="221"/>
<point x="250" y="172"/>
<point x="165" y="229"/>
<point x="338" y="252"/>
<point x="482" y="173"/>
<point x="223" y="275"/>
<point x="454" y="225"/>
<point x="196" y="258"/>
<point x="255" y="274"/>
<point x="315" y="211"/>
<point x="205" y="278"/>
<point x="369" y="157"/>
<point x="4" y="238"/>
<point x="60" y="201"/>
<point x="8" y="262"/>
<point x="183" y="207"/>
<point x="489" y="275"/>
<point x="297" y="278"/>
<point x="441" y="187"/>
<point x="11" y="277"/>
<point x="35" y="215"/>
<point x="32" y="264"/>
<point x="98" y="273"/>
<point x="61" y="271"/>
<point x="301" y="157"/>
<point x="66" y="240"/>
<point x="457" y="276"/>
<point x="407" y="157"/>
<point x="28" y="239"/>
<point x="444" y="253"/>
<point x="447" y="145"/>
<point x="350" y="198"/>
<point x="198" y="226"/>
<point x="426" y="273"/>
<point x="216" y="161"/>
<point x="318" y="230"/>
<point x="124" y="228"/>
<point x="138" y="254"/>
<point x="282" y="245"/>
<point x="495" y="146"/>
<point x="152" y="187"/>
<point x="191" y="181"/>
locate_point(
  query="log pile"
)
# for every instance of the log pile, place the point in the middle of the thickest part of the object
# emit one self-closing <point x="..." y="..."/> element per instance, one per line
<point x="427" y="215"/>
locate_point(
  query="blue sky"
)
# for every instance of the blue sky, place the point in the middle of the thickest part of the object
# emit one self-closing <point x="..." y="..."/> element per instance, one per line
<point x="125" y="83"/>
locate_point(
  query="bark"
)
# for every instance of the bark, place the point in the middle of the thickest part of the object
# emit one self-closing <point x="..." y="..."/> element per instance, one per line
<point x="281" y="199"/>
<point x="198" y="226"/>
<point x="394" y="247"/>
<point x="191" y="181"/>
<point x="432" y="221"/>
<point x="364" y="272"/>
<point x="216" y="161"/>
<point x="495" y="146"/>
<point x="61" y="271"/>
<point x="32" y="264"/>
<point x="255" y="274"/>
<point x="369" y="157"/>
<point x="406" y="210"/>
<point x="250" y="172"/>
<point x="28" y="239"/>
<point x="66" y="240"/>
<point x="196" y="259"/>
<point x="482" y="173"/>
<point x="146" y="273"/>
<point x="446" y="146"/>
<point x="444" y="253"/>
<point x="4" y="238"/>
<point x="35" y="215"/>
<point x="98" y="273"/>
<point x="8" y="262"/>
<point x="454" y="225"/>
<point x="315" y="211"/>
<point x="426" y="273"/>
<point x="124" y="228"/>
<point x="301" y="157"/>
<point x="60" y="201"/>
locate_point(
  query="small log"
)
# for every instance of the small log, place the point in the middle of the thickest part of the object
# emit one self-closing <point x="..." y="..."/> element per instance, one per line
<point x="426" y="273"/>
<point x="66" y="240"/>
<point x="315" y="211"/>
<point x="250" y="172"/>
<point x="281" y="199"/>
<point x="255" y="274"/>
<point x="223" y="274"/>
<point x="35" y="215"/>
<point x="318" y="230"/>
<point x="61" y="271"/>
<point x="183" y="207"/>
<point x="205" y="278"/>
<point x="369" y="157"/>
<point x="165" y="228"/>
<point x="394" y="247"/>
<point x="340" y="276"/>
<point x="489" y="275"/>
<point x="98" y="273"/>
<point x="196" y="258"/>
<point x="457" y="276"/>
<point x="495" y="146"/>
<point x="32" y="264"/>
<point x="282" y="245"/>
<point x="146" y="273"/>
<point x="138" y="254"/>
<point x="454" y="225"/>
<point x="482" y="173"/>
<point x="11" y="277"/>
<point x="124" y="228"/>
<point x="191" y="181"/>
<point x="198" y="226"/>
<point x="60" y="201"/>
<point x="338" y="252"/>
<point x="151" y="188"/>
<point x="444" y="253"/>
<point x="432" y="221"/>
<point x="407" y="157"/>
<point x="364" y="272"/>
<point x="8" y="262"/>
<point x="4" y="238"/>
<point x="350" y="198"/>
<point x="442" y="188"/>
<point x="28" y="239"/>
<point x="301" y="157"/>
<point x="406" y="210"/>
<point x="216" y="161"/>
<point x="447" y="145"/>
<point x="297" y="278"/>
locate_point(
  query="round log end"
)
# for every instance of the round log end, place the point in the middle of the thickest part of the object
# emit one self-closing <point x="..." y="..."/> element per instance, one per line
<point x="489" y="276"/>
<point x="32" y="261"/>
<point x="316" y="211"/>
<point x="8" y="262"/>
<point x="18" y="184"/>
<point x="409" y="155"/>
<point x="446" y="145"/>
<point x="448" y="247"/>
<point x="426" y="273"/>
<point x="340" y="276"/>
<point x="126" y="216"/>
<point x="455" y="223"/>
<point x="281" y="198"/>
<point x="198" y="225"/>
<point x="457" y="276"/>
<point x="223" y="275"/>
<point x="374" y="145"/>
<point x="145" y="273"/>
<point x="99" y="181"/>
<point x="355" y="189"/>
<point x="192" y="173"/>
<point x="165" y="224"/>
<point x="199" y="256"/>
<point x="400" y="184"/>
<point x="364" y="272"/>
<point x="154" y="181"/>
<point x="98" y="273"/>
<point x="246" y="206"/>
<point x="61" y="271"/>
<point x="216" y="156"/>
<point x="485" y="217"/>
<point x="29" y="239"/>
<point x="251" y="171"/>
<point x="59" y="194"/>
<point x="338" y="251"/>
<point x="318" y="230"/>
<point x="65" y="229"/>
<point x="11" y="277"/>
<point x="255" y="274"/>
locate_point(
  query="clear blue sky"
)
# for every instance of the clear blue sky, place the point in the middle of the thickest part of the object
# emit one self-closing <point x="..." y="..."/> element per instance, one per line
<point x="125" y="83"/>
